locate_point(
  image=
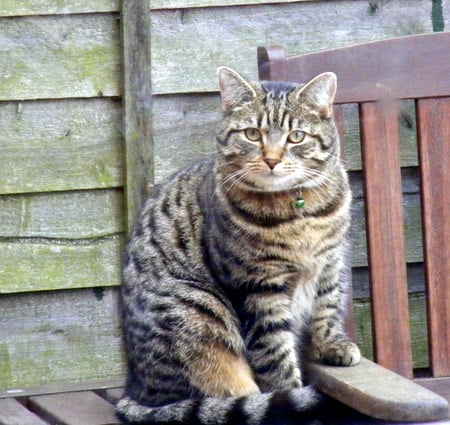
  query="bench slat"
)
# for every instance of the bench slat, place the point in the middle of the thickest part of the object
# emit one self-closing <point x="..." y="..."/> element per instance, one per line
<point x="79" y="408"/>
<point x="378" y="392"/>
<point x="386" y="240"/>
<point x="113" y="395"/>
<point x="13" y="413"/>
<point x="434" y="150"/>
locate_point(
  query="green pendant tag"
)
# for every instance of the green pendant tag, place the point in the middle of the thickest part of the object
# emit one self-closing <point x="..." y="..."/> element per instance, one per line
<point x="299" y="203"/>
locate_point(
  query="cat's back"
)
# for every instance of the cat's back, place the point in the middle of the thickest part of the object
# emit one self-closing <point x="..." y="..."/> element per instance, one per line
<point x="167" y="236"/>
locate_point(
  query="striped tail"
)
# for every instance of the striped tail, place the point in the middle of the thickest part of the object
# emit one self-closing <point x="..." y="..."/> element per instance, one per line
<point x="247" y="410"/>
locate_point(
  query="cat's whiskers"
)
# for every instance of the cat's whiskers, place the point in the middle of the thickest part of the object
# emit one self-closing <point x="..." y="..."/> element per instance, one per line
<point x="324" y="189"/>
<point x="325" y="186"/>
<point x="317" y="174"/>
<point x="239" y="179"/>
<point x="230" y="177"/>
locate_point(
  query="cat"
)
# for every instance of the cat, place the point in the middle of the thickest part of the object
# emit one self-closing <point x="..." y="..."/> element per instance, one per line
<point x="235" y="267"/>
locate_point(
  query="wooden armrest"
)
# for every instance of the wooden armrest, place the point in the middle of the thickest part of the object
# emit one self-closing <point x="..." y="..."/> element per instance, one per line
<point x="377" y="392"/>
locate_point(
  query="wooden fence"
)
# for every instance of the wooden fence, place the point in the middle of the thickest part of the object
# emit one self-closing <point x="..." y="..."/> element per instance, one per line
<point x="65" y="155"/>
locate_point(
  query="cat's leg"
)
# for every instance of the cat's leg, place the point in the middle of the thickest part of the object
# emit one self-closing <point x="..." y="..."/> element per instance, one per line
<point x="271" y="342"/>
<point x="216" y="371"/>
<point x="329" y="342"/>
<point x="183" y="341"/>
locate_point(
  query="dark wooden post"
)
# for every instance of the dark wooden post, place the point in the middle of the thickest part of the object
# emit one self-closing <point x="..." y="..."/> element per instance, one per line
<point x="137" y="102"/>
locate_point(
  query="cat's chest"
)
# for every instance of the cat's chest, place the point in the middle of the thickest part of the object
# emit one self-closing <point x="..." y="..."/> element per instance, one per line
<point x="303" y="243"/>
<point x="305" y="236"/>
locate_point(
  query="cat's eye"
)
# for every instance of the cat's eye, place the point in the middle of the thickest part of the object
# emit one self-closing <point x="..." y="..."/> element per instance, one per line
<point x="296" y="136"/>
<point x="253" y="134"/>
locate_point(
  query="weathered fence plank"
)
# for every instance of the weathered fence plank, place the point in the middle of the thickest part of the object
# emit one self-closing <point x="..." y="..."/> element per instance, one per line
<point x="51" y="7"/>
<point x="68" y="215"/>
<point x="60" y="56"/>
<point x="300" y="27"/>
<point x="59" y="336"/>
<point x="60" y="145"/>
<point x="49" y="264"/>
<point x="183" y="130"/>
<point x="24" y="170"/>
<point x="182" y="4"/>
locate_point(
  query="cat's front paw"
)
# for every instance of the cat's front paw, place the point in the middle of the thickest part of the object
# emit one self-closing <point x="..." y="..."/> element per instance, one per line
<point x="341" y="353"/>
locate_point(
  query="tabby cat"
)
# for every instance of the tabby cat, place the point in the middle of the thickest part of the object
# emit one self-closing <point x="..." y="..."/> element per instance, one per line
<point x="234" y="269"/>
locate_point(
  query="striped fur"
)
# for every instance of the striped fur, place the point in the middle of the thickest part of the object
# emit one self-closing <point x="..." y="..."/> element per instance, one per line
<point x="226" y="284"/>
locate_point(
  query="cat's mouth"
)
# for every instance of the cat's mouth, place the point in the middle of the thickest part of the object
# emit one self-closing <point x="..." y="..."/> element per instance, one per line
<point x="270" y="180"/>
<point x="282" y="179"/>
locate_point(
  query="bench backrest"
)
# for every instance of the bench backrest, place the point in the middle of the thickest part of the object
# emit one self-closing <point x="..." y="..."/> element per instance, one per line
<point x="376" y="75"/>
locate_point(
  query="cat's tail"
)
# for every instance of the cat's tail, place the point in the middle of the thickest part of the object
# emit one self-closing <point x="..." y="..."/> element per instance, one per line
<point x="247" y="410"/>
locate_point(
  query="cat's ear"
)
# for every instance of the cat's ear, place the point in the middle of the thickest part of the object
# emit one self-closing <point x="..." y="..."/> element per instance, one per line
<point x="233" y="88"/>
<point x="320" y="91"/>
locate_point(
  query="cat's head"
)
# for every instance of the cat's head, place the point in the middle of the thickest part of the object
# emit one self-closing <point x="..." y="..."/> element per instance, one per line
<point x="278" y="136"/>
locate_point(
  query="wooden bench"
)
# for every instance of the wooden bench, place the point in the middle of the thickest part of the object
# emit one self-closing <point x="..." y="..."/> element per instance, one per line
<point x="376" y="76"/>
<point x="71" y="404"/>
<point x="93" y="404"/>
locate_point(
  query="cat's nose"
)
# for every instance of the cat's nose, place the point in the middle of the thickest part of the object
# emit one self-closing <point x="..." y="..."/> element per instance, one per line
<point x="271" y="162"/>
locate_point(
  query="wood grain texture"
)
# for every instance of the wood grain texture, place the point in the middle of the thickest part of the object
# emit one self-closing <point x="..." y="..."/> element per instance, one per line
<point x="272" y="67"/>
<point x="181" y="4"/>
<point x="60" y="56"/>
<point x="182" y="66"/>
<point x="59" y="336"/>
<point x="51" y="7"/>
<point x="49" y="264"/>
<point x="183" y="131"/>
<point x="66" y="215"/>
<point x="137" y="102"/>
<point x="76" y="408"/>
<point x="378" y="392"/>
<point x="434" y="147"/>
<point x="376" y="78"/>
<point x="100" y="386"/>
<point x="13" y="413"/>
<point x="411" y="226"/>
<point x="385" y="237"/>
<point x="60" y="145"/>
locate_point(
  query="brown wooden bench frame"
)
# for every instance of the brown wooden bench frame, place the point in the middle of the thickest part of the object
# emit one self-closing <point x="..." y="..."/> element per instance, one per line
<point x="375" y="76"/>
